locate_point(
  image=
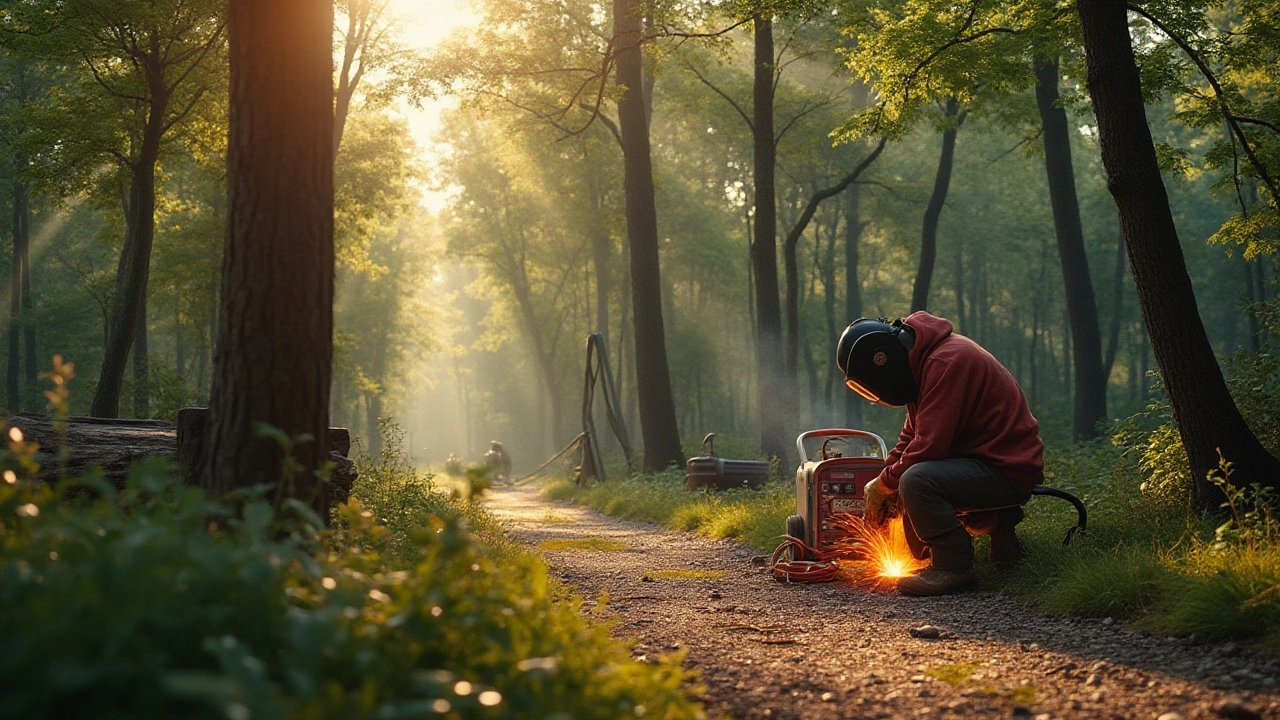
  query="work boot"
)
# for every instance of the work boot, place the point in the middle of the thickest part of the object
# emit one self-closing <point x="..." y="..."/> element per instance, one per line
<point x="932" y="581"/>
<point x="1006" y="551"/>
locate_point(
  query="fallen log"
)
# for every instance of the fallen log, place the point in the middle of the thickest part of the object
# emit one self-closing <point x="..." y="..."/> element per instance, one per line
<point x="110" y="444"/>
<point x="114" y="445"/>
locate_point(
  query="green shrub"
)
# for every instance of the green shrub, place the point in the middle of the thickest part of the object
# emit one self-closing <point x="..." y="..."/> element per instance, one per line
<point x="756" y="518"/>
<point x="1231" y="594"/>
<point x="1122" y="583"/>
<point x="157" y="602"/>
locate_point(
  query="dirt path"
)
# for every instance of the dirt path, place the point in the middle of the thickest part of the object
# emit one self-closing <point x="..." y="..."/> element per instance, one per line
<point x="765" y="649"/>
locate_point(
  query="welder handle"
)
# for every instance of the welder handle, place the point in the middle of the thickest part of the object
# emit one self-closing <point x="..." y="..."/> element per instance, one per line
<point x="884" y="451"/>
<point x="1082" y="515"/>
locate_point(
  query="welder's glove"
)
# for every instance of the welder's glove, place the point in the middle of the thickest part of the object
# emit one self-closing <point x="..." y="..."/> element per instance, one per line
<point x="880" y="501"/>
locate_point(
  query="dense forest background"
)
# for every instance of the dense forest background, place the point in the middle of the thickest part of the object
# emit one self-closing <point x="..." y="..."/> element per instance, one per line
<point x="469" y="324"/>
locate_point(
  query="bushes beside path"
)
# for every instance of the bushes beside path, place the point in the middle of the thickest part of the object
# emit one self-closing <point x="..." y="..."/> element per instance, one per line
<point x="160" y="602"/>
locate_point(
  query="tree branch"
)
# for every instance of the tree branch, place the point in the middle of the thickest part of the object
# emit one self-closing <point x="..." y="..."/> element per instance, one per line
<point x="1223" y="106"/>
<point x="799" y="116"/>
<point x="733" y="103"/>
<point x="797" y="230"/>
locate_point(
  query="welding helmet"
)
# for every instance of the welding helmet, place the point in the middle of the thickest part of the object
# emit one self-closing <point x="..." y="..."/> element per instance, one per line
<point x="872" y="354"/>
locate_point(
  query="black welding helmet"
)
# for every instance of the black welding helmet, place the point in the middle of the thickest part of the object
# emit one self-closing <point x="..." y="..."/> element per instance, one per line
<point x="872" y="354"/>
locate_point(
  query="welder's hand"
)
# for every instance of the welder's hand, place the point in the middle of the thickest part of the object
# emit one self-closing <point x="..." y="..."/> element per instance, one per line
<point x="879" y="500"/>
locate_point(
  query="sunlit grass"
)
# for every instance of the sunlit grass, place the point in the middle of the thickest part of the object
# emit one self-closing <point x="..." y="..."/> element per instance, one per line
<point x="952" y="674"/>
<point x="551" y="518"/>
<point x="590" y="544"/>
<point x="756" y="518"/>
<point x="1024" y="695"/>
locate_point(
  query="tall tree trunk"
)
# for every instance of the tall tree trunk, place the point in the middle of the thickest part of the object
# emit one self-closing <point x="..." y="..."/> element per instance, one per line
<point x="1207" y="417"/>
<point x="1086" y="339"/>
<point x="653" y="378"/>
<point x="853" y="403"/>
<point x="774" y="407"/>
<point x="274" y="357"/>
<point x="135" y="263"/>
<point x="141" y="365"/>
<point x="933" y="211"/>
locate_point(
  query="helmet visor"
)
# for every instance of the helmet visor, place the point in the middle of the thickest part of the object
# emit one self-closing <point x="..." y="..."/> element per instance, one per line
<point x="862" y="390"/>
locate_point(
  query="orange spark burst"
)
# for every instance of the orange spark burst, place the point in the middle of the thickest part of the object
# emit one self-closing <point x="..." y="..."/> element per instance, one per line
<point x="881" y="553"/>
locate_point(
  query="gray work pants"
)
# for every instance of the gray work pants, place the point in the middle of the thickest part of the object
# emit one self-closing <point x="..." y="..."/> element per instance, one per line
<point x="946" y="500"/>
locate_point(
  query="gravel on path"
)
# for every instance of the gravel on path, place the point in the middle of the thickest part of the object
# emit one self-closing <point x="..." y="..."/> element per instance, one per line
<point x="765" y="649"/>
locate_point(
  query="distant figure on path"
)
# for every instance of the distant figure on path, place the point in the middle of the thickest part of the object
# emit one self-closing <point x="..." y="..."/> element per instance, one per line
<point x="499" y="460"/>
<point x="969" y="453"/>
<point x="453" y="465"/>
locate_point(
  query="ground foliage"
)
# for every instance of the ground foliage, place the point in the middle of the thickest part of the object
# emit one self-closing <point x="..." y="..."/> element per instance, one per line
<point x="1146" y="556"/>
<point x="156" y="601"/>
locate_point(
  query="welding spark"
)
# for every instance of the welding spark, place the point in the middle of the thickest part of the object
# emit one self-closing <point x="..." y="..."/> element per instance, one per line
<point x="881" y="552"/>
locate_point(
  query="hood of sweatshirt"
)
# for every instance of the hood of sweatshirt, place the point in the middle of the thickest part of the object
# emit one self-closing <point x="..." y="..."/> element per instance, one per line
<point x="930" y="330"/>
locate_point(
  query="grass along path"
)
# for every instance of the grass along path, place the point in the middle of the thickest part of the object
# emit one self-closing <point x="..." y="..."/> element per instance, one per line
<point x="769" y="650"/>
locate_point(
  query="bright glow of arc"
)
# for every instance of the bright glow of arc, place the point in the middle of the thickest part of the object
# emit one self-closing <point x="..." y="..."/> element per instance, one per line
<point x="882" y="553"/>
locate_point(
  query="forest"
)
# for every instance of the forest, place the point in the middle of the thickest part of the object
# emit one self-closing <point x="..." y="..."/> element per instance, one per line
<point x="1086" y="189"/>
<point x="986" y="203"/>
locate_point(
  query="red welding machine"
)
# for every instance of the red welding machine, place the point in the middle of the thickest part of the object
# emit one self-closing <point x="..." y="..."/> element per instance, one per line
<point x="835" y="465"/>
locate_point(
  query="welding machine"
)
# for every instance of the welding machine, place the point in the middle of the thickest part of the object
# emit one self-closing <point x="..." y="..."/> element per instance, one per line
<point x="835" y="465"/>
<point x="831" y="479"/>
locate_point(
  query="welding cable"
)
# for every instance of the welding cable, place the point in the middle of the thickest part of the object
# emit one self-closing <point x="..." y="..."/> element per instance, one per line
<point x="823" y="569"/>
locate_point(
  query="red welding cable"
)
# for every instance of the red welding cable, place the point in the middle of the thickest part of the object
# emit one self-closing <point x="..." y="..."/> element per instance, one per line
<point x="823" y="569"/>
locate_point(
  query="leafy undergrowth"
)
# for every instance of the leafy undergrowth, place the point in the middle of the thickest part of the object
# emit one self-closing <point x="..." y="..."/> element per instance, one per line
<point x="1150" y="560"/>
<point x="756" y="518"/>
<point x="1143" y="558"/>
<point x="158" y="602"/>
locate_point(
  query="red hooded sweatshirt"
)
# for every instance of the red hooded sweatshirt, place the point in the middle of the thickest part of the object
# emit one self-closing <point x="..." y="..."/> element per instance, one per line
<point x="969" y="406"/>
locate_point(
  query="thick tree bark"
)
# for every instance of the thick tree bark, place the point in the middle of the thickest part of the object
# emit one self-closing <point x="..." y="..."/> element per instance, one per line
<point x="1207" y="417"/>
<point x="134" y="268"/>
<point x="1082" y="309"/>
<point x="653" y="378"/>
<point x="774" y="405"/>
<point x="933" y="211"/>
<point x="853" y="403"/>
<point x="273" y="362"/>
